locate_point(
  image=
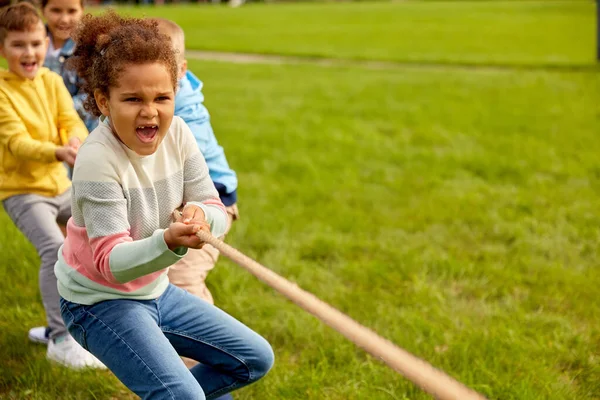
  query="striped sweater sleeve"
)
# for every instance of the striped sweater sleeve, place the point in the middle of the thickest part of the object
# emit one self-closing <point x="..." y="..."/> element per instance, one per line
<point x="100" y="206"/>
<point x="198" y="188"/>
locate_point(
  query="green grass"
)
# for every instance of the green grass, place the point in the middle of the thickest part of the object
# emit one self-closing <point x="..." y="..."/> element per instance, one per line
<point x="513" y="32"/>
<point x="454" y="211"/>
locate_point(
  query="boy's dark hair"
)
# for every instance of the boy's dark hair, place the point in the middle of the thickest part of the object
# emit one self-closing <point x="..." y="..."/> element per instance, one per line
<point x="20" y="17"/>
<point x="105" y="44"/>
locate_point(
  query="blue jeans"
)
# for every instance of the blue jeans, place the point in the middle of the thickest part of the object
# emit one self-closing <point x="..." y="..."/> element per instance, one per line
<point x="141" y="341"/>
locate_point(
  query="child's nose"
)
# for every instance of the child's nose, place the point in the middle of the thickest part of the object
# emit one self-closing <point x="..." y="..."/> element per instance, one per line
<point x="148" y="111"/>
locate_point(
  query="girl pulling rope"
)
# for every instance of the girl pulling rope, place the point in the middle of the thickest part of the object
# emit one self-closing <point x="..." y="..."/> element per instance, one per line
<point x="139" y="165"/>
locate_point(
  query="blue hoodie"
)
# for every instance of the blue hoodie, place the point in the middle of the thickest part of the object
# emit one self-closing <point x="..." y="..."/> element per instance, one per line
<point x="189" y="106"/>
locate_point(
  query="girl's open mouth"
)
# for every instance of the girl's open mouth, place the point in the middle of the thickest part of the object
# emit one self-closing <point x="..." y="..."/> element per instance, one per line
<point x="146" y="133"/>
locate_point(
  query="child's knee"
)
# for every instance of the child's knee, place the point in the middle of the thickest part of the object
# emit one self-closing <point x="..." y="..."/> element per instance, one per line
<point x="264" y="360"/>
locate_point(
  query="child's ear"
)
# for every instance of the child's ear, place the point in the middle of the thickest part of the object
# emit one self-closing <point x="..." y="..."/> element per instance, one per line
<point x="182" y="69"/>
<point x="102" y="102"/>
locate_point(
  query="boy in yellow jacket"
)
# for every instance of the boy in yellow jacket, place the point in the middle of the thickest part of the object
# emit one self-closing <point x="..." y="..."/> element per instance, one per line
<point x="35" y="109"/>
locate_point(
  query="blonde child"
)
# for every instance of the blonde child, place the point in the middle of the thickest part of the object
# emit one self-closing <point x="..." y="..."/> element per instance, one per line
<point x="34" y="187"/>
<point x="190" y="273"/>
<point x="135" y="169"/>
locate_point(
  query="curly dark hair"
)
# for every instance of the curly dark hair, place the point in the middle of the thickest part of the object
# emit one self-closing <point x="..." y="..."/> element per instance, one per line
<point x="105" y="44"/>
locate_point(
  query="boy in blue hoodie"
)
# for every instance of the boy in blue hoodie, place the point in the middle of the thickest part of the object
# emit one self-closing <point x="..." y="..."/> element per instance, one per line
<point x="190" y="273"/>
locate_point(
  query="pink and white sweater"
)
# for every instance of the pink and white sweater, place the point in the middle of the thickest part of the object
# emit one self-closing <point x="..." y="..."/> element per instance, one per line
<point x="122" y="203"/>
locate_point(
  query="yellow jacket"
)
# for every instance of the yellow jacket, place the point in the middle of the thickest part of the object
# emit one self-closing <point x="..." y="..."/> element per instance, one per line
<point x="31" y="114"/>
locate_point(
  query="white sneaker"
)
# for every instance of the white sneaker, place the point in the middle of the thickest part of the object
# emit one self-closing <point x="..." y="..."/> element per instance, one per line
<point x="69" y="353"/>
<point x="39" y="334"/>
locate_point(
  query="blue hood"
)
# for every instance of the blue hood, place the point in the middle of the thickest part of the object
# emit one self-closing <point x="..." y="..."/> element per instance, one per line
<point x="189" y="99"/>
<point x="189" y="106"/>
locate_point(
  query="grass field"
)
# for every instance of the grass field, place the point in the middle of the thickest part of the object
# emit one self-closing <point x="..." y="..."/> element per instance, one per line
<point x="469" y="32"/>
<point x="454" y="211"/>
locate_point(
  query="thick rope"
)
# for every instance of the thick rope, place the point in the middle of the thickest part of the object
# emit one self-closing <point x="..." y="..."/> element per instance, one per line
<point x="423" y="374"/>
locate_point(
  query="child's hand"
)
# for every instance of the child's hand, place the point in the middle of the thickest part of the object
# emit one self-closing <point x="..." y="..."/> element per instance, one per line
<point x="66" y="154"/>
<point x="192" y="216"/>
<point x="179" y="234"/>
<point x="74" y="143"/>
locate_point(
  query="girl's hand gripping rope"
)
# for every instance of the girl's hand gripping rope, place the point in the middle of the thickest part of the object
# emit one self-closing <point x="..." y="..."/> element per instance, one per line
<point x="182" y="232"/>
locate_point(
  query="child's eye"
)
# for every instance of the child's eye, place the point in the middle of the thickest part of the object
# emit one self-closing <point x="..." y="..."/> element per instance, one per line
<point x="163" y="98"/>
<point x="132" y="99"/>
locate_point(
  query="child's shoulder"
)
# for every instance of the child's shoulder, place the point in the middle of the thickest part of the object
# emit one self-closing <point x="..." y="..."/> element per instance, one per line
<point x="100" y="144"/>
<point x="177" y="129"/>
<point x="179" y="134"/>
<point x="179" y="126"/>
<point x="177" y="123"/>
<point x="11" y="83"/>
<point x="5" y="77"/>
<point x="43" y="73"/>
<point x="49" y="76"/>
<point x="99" y="153"/>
